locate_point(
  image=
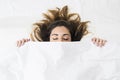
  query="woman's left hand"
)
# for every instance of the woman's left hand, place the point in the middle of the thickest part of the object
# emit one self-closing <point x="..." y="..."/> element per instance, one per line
<point x="98" y="42"/>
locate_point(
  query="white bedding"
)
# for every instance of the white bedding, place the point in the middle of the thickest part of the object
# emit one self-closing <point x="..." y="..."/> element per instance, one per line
<point x="62" y="61"/>
<point x="39" y="61"/>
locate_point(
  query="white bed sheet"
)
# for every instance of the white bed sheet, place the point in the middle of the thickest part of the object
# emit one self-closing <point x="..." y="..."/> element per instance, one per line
<point x="62" y="61"/>
<point x="92" y="63"/>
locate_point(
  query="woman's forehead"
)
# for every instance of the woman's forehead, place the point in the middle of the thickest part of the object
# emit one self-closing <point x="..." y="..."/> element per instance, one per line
<point x="60" y="29"/>
<point x="62" y="34"/>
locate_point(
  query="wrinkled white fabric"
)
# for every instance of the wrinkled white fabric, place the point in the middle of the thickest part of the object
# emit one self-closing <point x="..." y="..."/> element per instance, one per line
<point x="62" y="61"/>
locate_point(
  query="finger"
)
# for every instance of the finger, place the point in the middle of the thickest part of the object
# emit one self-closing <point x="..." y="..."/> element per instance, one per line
<point x="27" y="40"/>
<point x="23" y="41"/>
<point x="101" y="43"/>
<point x="104" y="42"/>
<point x="18" y="43"/>
<point x="97" y="42"/>
<point x="94" y="40"/>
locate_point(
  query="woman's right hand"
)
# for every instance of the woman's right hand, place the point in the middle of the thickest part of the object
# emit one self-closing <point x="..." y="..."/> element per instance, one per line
<point x="22" y="42"/>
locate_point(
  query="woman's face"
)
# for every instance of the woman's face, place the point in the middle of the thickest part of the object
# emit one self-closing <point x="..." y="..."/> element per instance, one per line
<point x="60" y="34"/>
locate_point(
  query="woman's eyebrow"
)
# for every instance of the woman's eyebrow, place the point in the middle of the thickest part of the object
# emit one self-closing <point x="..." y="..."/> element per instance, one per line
<point x="63" y="34"/>
<point x="55" y="34"/>
<point x="66" y="34"/>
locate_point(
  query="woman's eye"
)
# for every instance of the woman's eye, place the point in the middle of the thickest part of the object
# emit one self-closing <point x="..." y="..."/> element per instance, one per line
<point x="66" y="39"/>
<point x="55" y="38"/>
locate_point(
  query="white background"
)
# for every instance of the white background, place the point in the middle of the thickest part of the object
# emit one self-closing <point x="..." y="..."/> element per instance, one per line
<point x="17" y="17"/>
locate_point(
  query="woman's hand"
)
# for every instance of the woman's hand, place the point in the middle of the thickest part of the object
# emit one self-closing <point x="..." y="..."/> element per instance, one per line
<point x="22" y="42"/>
<point x="98" y="42"/>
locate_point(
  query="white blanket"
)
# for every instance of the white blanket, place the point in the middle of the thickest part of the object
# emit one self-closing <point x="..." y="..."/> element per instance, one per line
<point x="62" y="61"/>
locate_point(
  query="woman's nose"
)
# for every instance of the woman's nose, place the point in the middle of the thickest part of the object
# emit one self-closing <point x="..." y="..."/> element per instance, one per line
<point x="60" y="40"/>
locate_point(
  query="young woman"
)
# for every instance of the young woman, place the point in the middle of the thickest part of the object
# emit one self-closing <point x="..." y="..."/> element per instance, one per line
<point x="59" y="25"/>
